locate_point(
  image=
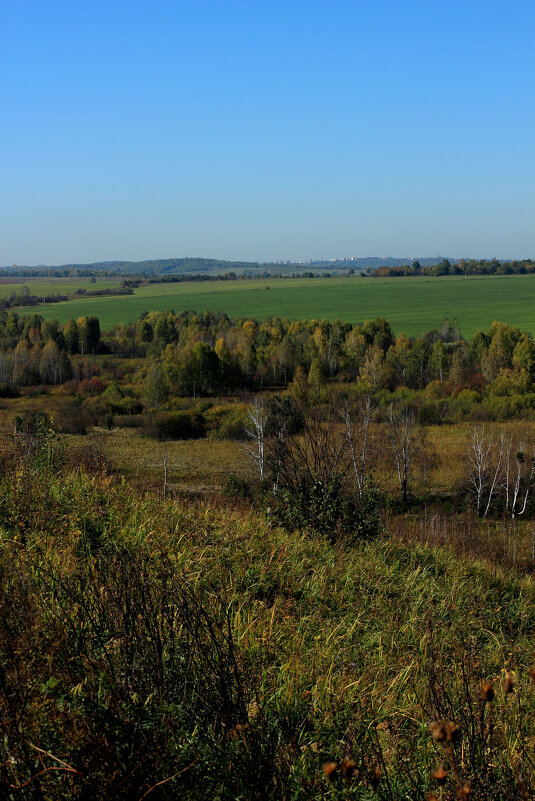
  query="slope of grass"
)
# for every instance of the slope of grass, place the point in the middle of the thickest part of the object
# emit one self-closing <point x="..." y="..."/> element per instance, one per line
<point x="116" y="614"/>
<point x="411" y="305"/>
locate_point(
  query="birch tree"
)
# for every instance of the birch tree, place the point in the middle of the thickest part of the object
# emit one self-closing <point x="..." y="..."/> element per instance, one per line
<point x="405" y="441"/>
<point x="519" y="476"/>
<point x="358" y="437"/>
<point x="257" y="433"/>
<point x="479" y="459"/>
<point x="487" y="461"/>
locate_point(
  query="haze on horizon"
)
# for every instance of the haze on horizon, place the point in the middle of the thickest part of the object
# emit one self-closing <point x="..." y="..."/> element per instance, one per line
<point x="273" y="130"/>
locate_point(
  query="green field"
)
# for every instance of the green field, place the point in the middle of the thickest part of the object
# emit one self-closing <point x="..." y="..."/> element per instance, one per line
<point x="412" y="305"/>
<point x="54" y="286"/>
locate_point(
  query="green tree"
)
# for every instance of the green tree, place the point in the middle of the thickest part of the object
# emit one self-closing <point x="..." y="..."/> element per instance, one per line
<point x="70" y="334"/>
<point x="524" y="356"/>
<point x="156" y="390"/>
<point x="316" y="376"/>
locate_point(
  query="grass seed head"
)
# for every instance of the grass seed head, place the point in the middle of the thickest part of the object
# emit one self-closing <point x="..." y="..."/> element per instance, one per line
<point x="438" y="731"/>
<point x="376" y="778"/>
<point x="487" y="691"/>
<point x="453" y="732"/>
<point x="440" y="775"/>
<point x="330" y="770"/>
<point x="348" y="768"/>
<point x="509" y="684"/>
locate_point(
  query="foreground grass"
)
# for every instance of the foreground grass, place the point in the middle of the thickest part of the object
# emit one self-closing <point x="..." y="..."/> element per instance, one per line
<point x="196" y="651"/>
<point x="412" y="305"/>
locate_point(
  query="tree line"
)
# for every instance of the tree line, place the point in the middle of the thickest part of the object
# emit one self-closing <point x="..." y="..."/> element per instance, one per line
<point x="192" y="354"/>
<point x="207" y="354"/>
<point x="461" y="267"/>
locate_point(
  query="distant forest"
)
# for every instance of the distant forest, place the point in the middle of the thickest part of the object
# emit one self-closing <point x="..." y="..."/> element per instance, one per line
<point x="199" y="269"/>
<point x="200" y="265"/>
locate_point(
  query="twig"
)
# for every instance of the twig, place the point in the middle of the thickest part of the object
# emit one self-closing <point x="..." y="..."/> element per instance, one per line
<point x="164" y="781"/>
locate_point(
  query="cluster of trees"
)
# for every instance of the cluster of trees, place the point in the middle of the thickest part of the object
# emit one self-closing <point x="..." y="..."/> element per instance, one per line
<point x="124" y="289"/>
<point x="25" y="298"/>
<point x="31" y="365"/>
<point x="501" y="471"/>
<point x="461" y="267"/>
<point x="35" y="351"/>
<point x="203" y="354"/>
<point x="192" y="355"/>
<point x="80" y="336"/>
<point x="148" y="267"/>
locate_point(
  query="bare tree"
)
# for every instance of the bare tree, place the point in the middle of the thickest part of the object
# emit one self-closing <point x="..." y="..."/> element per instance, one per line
<point x="496" y="471"/>
<point x="358" y="437"/>
<point x="316" y="453"/>
<point x="519" y="476"/>
<point x="479" y="460"/>
<point x="405" y="439"/>
<point x="257" y="432"/>
<point x="488" y="470"/>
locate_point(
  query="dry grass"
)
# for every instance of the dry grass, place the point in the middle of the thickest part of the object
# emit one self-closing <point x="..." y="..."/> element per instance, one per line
<point x="194" y="466"/>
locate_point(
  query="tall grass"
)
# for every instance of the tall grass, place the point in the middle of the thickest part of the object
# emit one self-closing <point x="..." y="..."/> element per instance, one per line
<point x="170" y="650"/>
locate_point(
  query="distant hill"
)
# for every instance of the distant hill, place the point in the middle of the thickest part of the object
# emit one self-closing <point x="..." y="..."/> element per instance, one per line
<point x="206" y="266"/>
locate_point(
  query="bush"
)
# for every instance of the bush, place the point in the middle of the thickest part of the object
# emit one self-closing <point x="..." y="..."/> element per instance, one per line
<point x="326" y="509"/>
<point x="73" y="418"/>
<point x="119" y="402"/>
<point x="177" y="425"/>
<point x="227" y="423"/>
<point x="432" y="412"/>
<point x="7" y="391"/>
<point x="505" y="407"/>
<point x="128" y="420"/>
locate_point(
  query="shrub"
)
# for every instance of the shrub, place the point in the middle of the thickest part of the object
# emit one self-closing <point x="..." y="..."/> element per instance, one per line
<point x="129" y="420"/>
<point x="227" y="423"/>
<point x="73" y="418"/>
<point x="325" y="508"/>
<point x="8" y="391"/>
<point x="177" y="425"/>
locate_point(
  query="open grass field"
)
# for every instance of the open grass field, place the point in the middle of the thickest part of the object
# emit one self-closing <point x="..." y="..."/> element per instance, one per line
<point x="53" y="286"/>
<point x="203" y="466"/>
<point x="412" y="305"/>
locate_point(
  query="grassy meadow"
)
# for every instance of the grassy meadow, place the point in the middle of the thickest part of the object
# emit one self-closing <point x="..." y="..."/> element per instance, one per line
<point x="54" y="286"/>
<point x="412" y="305"/>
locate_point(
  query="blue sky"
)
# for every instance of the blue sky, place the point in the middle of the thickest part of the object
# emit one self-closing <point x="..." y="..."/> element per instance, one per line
<point x="264" y="130"/>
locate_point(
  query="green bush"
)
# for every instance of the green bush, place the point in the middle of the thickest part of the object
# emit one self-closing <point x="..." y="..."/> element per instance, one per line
<point x="326" y="508"/>
<point x="505" y="407"/>
<point x="227" y="423"/>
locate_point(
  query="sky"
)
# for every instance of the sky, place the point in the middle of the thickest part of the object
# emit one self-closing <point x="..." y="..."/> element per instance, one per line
<point x="266" y="130"/>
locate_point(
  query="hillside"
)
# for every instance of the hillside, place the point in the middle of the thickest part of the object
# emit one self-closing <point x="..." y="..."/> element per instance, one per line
<point x="203" y="265"/>
<point x="306" y="670"/>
